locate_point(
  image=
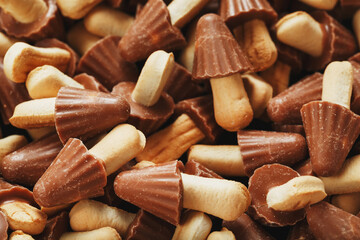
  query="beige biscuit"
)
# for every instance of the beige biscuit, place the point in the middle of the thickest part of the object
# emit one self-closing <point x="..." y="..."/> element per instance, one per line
<point x="119" y="146"/>
<point x="171" y="142"/>
<point x="182" y="11"/>
<point x="254" y="38"/>
<point x="5" y="43"/>
<point x="337" y="83"/>
<point x="232" y="107"/>
<point x="292" y="28"/>
<point x="11" y="143"/>
<point x="194" y="225"/>
<point x="80" y="39"/>
<point x="24" y="11"/>
<point x="76" y="9"/>
<point x="259" y="92"/>
<point x="52" y="211"/>
<point x="153" y="78"/>
<point x="295" y="194"/>
<point x="107" y="233"/>
<point x="321" y="4"/>
<point x="187" y="54"/>
<point x="37" y="133"/>
<point x="225" y="160"/>
<point x="89" y="215"/>
<point x="224" y="234"/>
<point x="219" y="197"/>
<point x="349" y="202"/>
<point x="34" y="113"/>
<point x="46" y="81"/>
<point x="104" y="21"/>
<point x="356" y="25"/>
<point x="278" y="76"/>
<point x="20" y="235"/>
<point x="22" y="58"/>
<point x="22" y="216"/>
<point x="143" y="164"/>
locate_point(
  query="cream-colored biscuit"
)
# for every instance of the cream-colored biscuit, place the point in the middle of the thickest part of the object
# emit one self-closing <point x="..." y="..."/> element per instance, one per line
<point x="80" y="39"/>
<point x="5" y="43"/>
<point x="20" y="235"/>
<point x="76" y="9"/>
<point x="11" y="143"/>
<point x="186" y="57"/>
<point x="194" y="225"/>
<point x="321" y="4"/>
<point x="107" y="233"/>
<point x="224" y="234"/>
<point x="356" y="25"/>
<point x="182" y="11"/>
<point x="349" y="202"/>
<point x="24" y="11"/>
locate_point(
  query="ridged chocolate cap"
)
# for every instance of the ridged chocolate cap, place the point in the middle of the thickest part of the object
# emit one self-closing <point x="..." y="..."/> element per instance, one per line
<point x="47" y="26"/>
<point x="217" y="54"/>
<point x="263" y="147"/>
<point x="291" y="128"/>
<point x="11" y="192"/>
<point x="151" y="31"/>
<point x="146" y="119"/>
<point x="89" y="82"/>
<point x="301" y="230"/>
<point x="263" y="179"/>
<point x="237" y="12"/>
<point x="201" y="111"/>
<point x="3" y="226"/>
<point x="329" y="222"/>
<point x="180" y="85"/>
<point x="11" y="94"/>
<point x="331" y="130"/>
<point x="194" y="168"/>
<point x="53" y="42"/>
<point x="285" y="107"/>
<point x="104" y="62"/>
<point x="355" y="97"/>
<point x="27" y="164"/>
<point x="81" y="113"/>
<point x="156" y="189"/>
<point x="149" y="227"/>
<point x="75" y="174"/>
<point x="247" y="229"/>
<point x="339" y="43"/>
<point x="55" y="227"/>
<point x="289" y="55"/>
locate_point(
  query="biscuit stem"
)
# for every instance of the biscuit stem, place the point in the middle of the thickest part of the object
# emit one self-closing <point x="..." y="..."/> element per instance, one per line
<point x="24" y="11"/>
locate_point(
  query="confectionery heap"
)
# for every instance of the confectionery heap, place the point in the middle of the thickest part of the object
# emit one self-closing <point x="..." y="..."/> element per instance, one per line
<point x="179" y="119"/>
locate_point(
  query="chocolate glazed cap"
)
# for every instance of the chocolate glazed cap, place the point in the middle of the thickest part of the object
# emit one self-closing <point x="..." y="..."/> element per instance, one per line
<point x="47" y="26"/>
<point x="151" y="31"/>
<point x="75" y="174"/>
<point x="331" y="130"/>
<point x="157" y="189"/>
<point x="217" y="54"/>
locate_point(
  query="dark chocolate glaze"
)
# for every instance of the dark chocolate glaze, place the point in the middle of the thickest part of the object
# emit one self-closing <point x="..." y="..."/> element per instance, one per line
<point x="89" y="82"/>
<point x="194" y="168"/>
<point x="300" y="231"/>
<point x="55" y="227"/>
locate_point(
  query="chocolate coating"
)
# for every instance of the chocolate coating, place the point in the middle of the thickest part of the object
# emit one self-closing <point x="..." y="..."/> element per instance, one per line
<point x="82" y="113"/>
<point x="151" y="31"/>
<point x="55" y="227"/>
<point x="331" y="130"/>
<point x="194" y="168"/>
<point x="289" y="55"/>
<point x="355" y="97"/>
<point x="26" y="165"/>
<point x="247" y="229"/>
<point x="263" y="179"/>
<point x="305" y="168"/>
<point x="75" y="174"/>
<point x="11" y="192"/>
<point x="217" y="54"/>
<point x="3" y="226"/>
<point x="157" y="189"/>
<point x="47" y="26"/>
<point x="329" y="222"/>
<point x="300" y="231"/>
<point x="146" y="119"/>
<point x="289" y="128"/>
<point x="104" y="62"/>
<point x="263" y="147"/>
<point x="89" y="82"/>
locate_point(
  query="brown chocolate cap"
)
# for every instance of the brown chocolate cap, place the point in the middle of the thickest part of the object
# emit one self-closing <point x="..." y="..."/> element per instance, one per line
<point x="47" y="26"/>
<point x="217" y="54"/>
<point x="26" y="165"/>
<point x="289" y="55"/>
<point x="55" y="227"/>
<point x="304" y="168"/>
<point x="75" y="174"/>
<point x="146" y="119"/>
<point x="81" y="113"/>
<point x="11" y="94"/>
<point x="11" y="192"/>
<point x="180" y="85"/>
<point x="104" y="62"/>
<point x="301" y="230"/>
<point x="263" y="179"/>
<point x="149" y="227"/>
<point x="291" y="128"/>
<point x="329" y="222"/>
<point x="53" y="42"/>
<point x="339" y="43"/>
<point x="247" y="229"/>
<point x="194" y="168"/>
<point x="156" y="189"/>
<point x="237" y="12"/>
<point x="114" y="3"/>
<point x="331" y="130"/>
<point x="355" y="97"/>
<point x="3" y="226"/>
<point x="201" y="111"/>
<point x="355" y="4"/>
<point x="263" y="147"/>
<point x="285" y="107"/>
<point x="89" y="82"/>
<point x="151" y="31"/>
